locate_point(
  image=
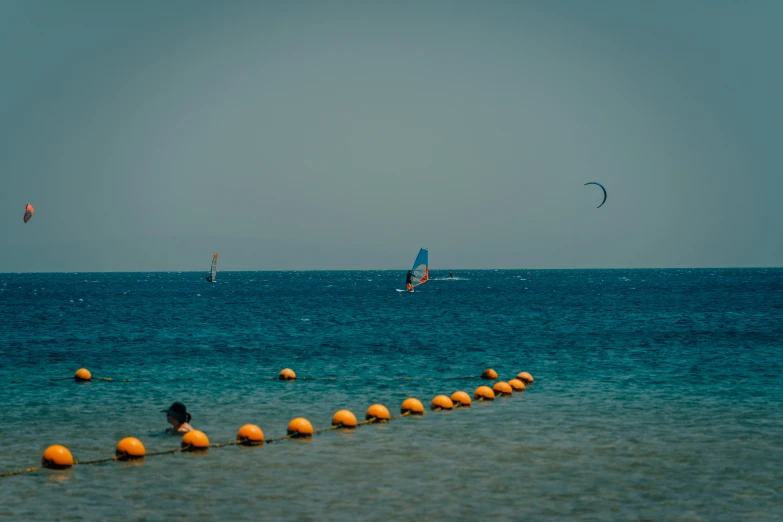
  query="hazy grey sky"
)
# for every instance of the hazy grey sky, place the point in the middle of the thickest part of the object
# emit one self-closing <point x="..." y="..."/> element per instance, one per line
<point x="345" y="135"/>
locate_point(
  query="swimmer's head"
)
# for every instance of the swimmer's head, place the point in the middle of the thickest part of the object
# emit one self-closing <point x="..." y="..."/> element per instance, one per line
<point x="177" y="414"/>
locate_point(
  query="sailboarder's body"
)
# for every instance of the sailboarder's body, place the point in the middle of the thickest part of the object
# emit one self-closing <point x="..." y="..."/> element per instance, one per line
<point x="408" y="284"/>
<point x="451" y="274"/>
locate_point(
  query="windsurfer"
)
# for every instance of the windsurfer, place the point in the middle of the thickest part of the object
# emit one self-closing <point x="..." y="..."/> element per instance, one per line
<point x="408" y="283"/>
<point x="213" y="269"/>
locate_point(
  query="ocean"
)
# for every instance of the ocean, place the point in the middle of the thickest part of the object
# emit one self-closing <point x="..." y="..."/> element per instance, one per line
<point x="658" y="394"/>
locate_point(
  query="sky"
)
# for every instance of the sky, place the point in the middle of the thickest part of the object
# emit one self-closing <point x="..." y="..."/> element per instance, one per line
<point x="346" y="135"/>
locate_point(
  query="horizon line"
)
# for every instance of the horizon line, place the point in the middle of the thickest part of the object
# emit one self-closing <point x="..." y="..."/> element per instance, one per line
<point x="391" y="270"/>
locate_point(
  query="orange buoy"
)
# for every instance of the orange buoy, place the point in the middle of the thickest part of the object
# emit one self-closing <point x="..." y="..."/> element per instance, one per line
<point x="525" y="377"/>
<point x="460" y="398"/>
<point x="130" y="448"/>
<point x="377" y="413"/>
<point x="489" y="374"/>
<point x="287" y="375"/>
<point x="517" y="385"/>
<point x="57" y="457"/>
<point x="300" y="427"/>
<point x="412" y="406"/>
<point x="484" y="393"/>
<point x="441" y="402"/>
<point x="502" y="388"/>
<point x="344" y="419"/>
<point x="250" y="435"/>
<point x="82" y="374"/>
<point x="195" y="440"/>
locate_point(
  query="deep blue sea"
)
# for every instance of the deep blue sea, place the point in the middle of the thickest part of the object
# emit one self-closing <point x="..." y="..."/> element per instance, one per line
<point x="658" y="394"/>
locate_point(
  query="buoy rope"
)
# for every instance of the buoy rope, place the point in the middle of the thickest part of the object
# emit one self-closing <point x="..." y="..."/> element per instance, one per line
<point x="280" y="439"/>
<point x="288" y="375"/>
<point x="219" y="445"/>
<point x="19" y="472"/>
<point x="330" y="428"/>
<point x="93" y="379"/>
<point x="123" y="455"/>
<point x="371" y="420"/>
<point x="375" y="378"/>
<point x="168" y="452"/>
<point x="216" y="445"/>
<point x="333" y="379"/>
<point x="96" y="461"/>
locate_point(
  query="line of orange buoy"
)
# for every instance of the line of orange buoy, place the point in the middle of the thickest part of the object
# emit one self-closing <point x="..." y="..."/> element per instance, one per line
<point x="130" y="448"/>
<point x="287" y="374"/>
<point x="84" y="375"/>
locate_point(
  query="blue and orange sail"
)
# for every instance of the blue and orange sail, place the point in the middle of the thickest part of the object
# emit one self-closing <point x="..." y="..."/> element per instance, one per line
<point x="421" y="268"/>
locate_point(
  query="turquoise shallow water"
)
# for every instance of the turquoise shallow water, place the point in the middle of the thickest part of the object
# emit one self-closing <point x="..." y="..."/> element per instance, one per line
<point x="658" y="394"/>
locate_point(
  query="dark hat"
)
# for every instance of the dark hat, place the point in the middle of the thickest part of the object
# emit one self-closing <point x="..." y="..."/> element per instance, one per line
<point x="178" y="411"/>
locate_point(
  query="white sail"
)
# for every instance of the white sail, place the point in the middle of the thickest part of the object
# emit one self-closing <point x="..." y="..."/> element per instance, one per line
<point x="213" y="269"/>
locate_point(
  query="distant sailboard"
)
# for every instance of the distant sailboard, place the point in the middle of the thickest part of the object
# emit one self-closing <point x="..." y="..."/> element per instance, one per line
<point x="420" y="271"/>
<point x="213" y="269"/>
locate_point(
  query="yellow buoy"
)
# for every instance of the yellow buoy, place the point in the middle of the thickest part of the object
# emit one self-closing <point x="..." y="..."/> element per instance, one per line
<point x="377" y="413"/>
<point x="525" y="377"/>
<point x="441" y="402"/>
<point x="412" y="406"/>
<point x="82" y="374"/>
<point x="344" y="419"/>
<point x="502" y="388"/>
<point x="300" y="427"/>
<point x="484" y="393"/>
<point x="130" y="448"/>
<point x="461" y="398"/>
<point x="517" y="385"/>
<point x="57" y="457"/>
<point x="287" y="375"/>
<point x="489" y="374"/>
<point x="195" y="440"/>
<point x="250" y="435"/>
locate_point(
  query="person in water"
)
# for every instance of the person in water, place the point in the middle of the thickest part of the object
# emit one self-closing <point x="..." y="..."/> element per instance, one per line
<point x="179" y="418"/>
<point x="408" y="284"/>
<point x="451" y="274"/>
